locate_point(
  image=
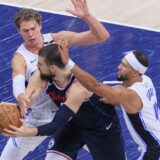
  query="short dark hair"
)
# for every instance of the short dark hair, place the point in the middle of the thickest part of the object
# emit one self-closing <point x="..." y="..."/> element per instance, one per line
<point x="142" y="58"/>
<point x="26" y="15"/>
<point x="51" y="54"/>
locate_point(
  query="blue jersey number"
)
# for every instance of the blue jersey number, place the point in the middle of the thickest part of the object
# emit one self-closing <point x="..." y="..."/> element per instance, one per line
<point x="157" y="111"/>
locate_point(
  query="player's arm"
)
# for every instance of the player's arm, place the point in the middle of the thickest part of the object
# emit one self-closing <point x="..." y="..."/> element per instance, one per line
<point x="34" y="86"/>
<point x="76" y="96"/>
<point x="119" y="95"/>
<point x="18" y="75"/>
<point x="96" y="33"/>
<point x="112" y="95"/>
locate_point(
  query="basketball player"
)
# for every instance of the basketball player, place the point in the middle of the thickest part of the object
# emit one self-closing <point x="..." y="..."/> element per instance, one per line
<point x="95" y="124"/>
<point x="137" y="97"/>
<point x="24" y="63"/>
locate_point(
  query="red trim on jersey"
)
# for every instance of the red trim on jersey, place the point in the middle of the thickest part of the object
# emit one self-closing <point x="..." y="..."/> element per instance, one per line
<point x="59" y="154"/>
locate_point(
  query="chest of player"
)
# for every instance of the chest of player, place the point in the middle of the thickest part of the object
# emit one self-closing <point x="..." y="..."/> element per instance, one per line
<point x="58" y="94"/>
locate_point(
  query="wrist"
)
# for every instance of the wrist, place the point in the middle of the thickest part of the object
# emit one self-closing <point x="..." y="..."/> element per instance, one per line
<point x="20" y="96"/>
<point x="32" y="132"/>
<point x="86" y="16"/>
<point x="70" y="64"/>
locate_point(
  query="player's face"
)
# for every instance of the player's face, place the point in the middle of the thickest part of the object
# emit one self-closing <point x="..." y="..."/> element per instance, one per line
<point x="30" y="32"/>
<point x="124" y="70"/>
<point x="46" y="72"/>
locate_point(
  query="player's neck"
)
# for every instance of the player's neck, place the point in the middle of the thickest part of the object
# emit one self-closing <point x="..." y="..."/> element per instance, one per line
<point x="62" y="78"/>
<point x="132" y="80"/>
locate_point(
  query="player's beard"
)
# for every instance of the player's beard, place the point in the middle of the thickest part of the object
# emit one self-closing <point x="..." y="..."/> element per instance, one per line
<point x="46" y="77"/>
<point x="122" y="77"/>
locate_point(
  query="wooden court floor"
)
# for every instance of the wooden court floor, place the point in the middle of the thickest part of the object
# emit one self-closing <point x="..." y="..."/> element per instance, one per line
<point x="143" y="13"/>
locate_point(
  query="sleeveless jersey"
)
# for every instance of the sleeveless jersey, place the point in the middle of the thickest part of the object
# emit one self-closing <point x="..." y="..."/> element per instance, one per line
<point x="31" y="58"/>
<point x="92" y="112"/>
<point x="144" y="126"/>
<point x="42" y="109"/>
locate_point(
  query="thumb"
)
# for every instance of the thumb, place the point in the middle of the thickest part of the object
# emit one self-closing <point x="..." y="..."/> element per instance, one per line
<point x="102" y="99"/>
<point x="70" y="11"/>
<point x="22" y="121"/>
<point x="29" y="95"/>
<point x="23" y="111"/>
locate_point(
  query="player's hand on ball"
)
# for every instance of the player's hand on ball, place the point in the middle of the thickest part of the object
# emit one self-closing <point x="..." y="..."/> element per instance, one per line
<point x="64" y="50"/>
<point x="9" y="114"/>
<point x="23" y="131"/>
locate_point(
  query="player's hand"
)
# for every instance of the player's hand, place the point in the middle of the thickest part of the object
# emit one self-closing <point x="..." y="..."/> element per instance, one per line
<point x="23" y="102"/>
<point x="23" y="131"/>
<point x="80" y="8"/>
<point x="104" y="100"/>
<point x="64" y="50"/>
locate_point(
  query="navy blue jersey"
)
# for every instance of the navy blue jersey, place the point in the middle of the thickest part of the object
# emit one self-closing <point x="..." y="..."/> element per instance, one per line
<point x="57" y="94"/>
<point x="95" y="124"/>
<point x="89" y="107"/>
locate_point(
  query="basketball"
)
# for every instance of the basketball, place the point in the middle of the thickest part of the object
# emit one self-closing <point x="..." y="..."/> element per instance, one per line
<point x="9" y="114"/>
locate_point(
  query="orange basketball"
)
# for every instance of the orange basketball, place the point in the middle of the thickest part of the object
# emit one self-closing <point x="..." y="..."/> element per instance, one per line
<point x="9" y="114"/>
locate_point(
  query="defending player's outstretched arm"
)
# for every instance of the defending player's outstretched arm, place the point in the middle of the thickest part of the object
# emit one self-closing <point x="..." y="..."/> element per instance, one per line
<point x="118" y="95"/>
<point x="96" y="34"/>
<point x="75" y="97"/>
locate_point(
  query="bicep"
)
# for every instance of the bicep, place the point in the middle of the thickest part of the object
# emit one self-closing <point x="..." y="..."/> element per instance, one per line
<point x="76" y="96"/>
<point x="18" y="65"/>
<point x="73" y="38"/>
<point x="35" y="85"/>
<point x="131" y="101"/>
<point x="112" y="95"/>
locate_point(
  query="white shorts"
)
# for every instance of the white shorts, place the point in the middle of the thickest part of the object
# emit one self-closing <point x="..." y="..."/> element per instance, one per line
<point x="18" y="148"/>
<point x="41" y="112"/>
<point x="55" y="155"/>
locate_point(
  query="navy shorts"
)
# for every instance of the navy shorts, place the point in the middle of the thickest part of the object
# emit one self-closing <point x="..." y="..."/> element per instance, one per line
<point x="101" y="135"/>
<point x="152" y="153"/>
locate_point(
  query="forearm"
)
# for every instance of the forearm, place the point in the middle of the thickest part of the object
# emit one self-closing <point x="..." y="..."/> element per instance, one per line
<point x="63" y="115"/>
<point x="96" y="28"/>
<point x="87" y="80"/>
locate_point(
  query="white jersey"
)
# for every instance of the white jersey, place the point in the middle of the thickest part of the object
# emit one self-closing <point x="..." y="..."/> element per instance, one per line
<point x="144" y="126"/>
<point x="42" y="110"/>
<point x="31" y="58"/>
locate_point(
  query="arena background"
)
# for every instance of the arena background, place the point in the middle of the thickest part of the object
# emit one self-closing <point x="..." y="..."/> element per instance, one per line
<point x="132" y="25"/>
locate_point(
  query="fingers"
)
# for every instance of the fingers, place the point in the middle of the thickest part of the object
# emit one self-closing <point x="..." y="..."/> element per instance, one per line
<point x="22" y="120"/>
<point x="63" y="43"/>
<point x="64" y="50"/>
<point x="71" y="11"/>
<point x="74" y="2"/>
<point x="28" y="96"/>
<point x="11" y="131"/>
<point x="80" y="7"/>
<point x="102" y="100"/>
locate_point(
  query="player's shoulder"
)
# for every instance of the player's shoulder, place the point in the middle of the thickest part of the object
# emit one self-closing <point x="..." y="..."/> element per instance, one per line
<point x="77" y="88"/>
<point x="17" y="57"/>
<point x="35" y="78"/>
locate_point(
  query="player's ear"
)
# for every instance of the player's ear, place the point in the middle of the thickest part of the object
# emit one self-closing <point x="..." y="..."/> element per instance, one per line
<point x="53" y="68"/>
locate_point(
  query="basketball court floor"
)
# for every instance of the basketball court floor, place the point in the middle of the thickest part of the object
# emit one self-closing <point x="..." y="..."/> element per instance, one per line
<point x="100" y="60"/>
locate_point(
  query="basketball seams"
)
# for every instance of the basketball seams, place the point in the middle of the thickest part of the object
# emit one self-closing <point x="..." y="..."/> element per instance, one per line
<point x="19" y="116"/>
<point x="10" y="122"/>
<point x="15" y="113"/>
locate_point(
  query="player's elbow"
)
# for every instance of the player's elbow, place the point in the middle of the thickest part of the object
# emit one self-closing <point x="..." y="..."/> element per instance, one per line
<point x="103" y="37"/>
<point x="106" y="36"/>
